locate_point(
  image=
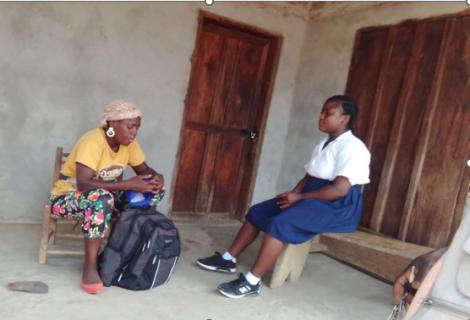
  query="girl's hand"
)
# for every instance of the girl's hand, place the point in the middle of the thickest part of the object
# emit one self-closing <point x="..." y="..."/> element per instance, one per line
<point x="286" y="199"/>
<point x="143" y="184"/>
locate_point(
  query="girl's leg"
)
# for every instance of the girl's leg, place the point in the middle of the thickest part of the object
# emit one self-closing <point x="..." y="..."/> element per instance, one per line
<point x="245" y="236"/>
<point x="269" y="252"/>
<point x="257" y="219"/>
<point x="249" y="283"/>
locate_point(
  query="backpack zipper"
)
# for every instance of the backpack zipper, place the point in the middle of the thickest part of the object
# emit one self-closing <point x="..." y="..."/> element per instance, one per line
<point x="155" y="276"/>
<point x="122" y="272"/>
<point x="171" y="271"/>
<point x="446" y="305"/>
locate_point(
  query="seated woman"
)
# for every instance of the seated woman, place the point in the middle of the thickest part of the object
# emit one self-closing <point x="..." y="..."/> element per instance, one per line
<point x="327" y="199"/>
<point x="90" y="187"/>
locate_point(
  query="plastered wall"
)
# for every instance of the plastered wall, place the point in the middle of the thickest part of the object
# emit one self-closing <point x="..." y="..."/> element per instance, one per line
<point x="60" y="63"/>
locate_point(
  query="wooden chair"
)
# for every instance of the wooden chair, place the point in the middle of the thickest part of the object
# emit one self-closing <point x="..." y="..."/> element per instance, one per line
<point x="49" y="230"/>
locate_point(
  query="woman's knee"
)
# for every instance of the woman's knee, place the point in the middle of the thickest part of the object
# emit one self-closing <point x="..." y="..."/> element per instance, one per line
<point x="96" y="224"/>
<point x="101" y="200"/>
<point x="99" y="219"/>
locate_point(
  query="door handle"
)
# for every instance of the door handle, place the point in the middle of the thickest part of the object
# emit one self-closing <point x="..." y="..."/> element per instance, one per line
<point x="250" y="134"/>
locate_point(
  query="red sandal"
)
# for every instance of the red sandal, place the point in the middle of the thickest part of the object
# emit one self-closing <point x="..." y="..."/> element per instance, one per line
<point x="92" y="288"/>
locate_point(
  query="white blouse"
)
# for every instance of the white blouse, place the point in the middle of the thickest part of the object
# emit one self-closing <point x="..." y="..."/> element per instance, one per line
<point x="345" y="156"/>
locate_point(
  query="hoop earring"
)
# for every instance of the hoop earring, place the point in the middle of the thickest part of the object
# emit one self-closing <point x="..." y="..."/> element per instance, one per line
<point x="110" y="132"/>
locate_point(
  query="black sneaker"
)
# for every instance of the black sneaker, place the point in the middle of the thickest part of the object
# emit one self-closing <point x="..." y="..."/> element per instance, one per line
<point x="217" y="263"/>
<point x="239" y="288"/>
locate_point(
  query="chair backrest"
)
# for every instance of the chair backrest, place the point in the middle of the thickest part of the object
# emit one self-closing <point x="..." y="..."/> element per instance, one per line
<point x="60" y="157"/>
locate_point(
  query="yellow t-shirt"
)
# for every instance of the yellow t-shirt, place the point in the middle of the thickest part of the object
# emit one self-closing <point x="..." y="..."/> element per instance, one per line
<point x="93" y="151"/>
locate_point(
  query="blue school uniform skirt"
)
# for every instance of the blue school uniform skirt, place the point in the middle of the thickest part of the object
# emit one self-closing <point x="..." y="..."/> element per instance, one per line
<point x="307" y="218"/>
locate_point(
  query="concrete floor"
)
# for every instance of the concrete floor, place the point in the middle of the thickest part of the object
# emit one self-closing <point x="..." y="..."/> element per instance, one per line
<point x="327" y="289"/>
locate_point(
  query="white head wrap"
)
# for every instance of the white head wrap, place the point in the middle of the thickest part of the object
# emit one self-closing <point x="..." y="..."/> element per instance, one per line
<point x="120" y="110"/>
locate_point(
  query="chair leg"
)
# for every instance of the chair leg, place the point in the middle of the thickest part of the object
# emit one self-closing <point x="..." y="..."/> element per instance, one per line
<point x="52" y="230"/>
<point x="46" y="217"/>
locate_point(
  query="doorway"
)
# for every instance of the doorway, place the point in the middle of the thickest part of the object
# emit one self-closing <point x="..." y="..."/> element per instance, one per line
<point x="232" y="76"/>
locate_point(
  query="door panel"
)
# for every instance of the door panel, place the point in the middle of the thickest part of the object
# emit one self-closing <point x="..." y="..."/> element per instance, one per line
<point x="245" y="85"/>
<point x="227" y="181"/>
<point x="207" y="172"/>
<point x="416" y="125"/>
<point x="388" y="90"/>
<point x="403" y="144"/>
<point x="448" y="142"/>
<point x="362" y="85"/>
<point x="364" y="74"/>
<point x="209" y="66"/>
<point x="229" y="58"/>
<point x="190" y="169"/>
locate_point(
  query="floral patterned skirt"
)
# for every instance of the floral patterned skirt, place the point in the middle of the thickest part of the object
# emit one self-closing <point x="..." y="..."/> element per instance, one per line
<point x="93" y="208"/>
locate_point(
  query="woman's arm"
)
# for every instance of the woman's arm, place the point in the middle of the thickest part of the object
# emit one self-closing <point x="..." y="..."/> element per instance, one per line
<point x="86" y="182"/>
<point x="339" y="188"/>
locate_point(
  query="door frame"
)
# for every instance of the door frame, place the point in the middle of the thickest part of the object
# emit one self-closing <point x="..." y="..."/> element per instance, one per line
<point x="268" y="81"/>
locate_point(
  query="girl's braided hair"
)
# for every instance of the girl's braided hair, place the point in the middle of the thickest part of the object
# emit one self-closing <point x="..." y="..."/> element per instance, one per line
<point x="349" y="107"/>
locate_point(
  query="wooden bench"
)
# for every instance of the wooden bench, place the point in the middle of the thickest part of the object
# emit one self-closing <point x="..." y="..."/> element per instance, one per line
<point x="378" y="255"/>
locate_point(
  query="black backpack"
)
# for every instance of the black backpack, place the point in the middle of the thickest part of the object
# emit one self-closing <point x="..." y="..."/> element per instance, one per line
<point x="142" y="250"/>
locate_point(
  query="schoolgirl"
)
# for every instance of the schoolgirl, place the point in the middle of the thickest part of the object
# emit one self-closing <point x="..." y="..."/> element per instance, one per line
<point x="327" y="199"/>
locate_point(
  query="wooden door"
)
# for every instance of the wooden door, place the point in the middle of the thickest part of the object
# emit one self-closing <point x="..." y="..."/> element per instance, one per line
<point x="226" y="106"/>
<point x="412" y="84"/>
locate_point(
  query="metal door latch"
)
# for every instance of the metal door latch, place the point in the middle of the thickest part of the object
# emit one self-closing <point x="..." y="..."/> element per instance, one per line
<point x="250" y="134"/>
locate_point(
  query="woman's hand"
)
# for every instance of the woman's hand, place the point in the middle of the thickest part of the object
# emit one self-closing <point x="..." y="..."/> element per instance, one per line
<point x="159" y="181"/>
<point x="156" y="179"/>
<point x="143" y="184"/>
<point x="286" y="199"/>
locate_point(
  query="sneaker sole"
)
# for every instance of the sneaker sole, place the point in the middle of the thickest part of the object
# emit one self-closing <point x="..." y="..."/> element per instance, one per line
<point x="211" y="268"/>
<point x="228" y="295"/>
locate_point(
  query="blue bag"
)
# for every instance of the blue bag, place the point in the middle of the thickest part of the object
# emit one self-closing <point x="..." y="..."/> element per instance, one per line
<point x="143" y="200"/>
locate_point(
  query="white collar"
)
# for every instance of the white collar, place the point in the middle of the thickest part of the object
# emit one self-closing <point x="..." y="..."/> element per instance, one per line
<point x="343" y="136"/>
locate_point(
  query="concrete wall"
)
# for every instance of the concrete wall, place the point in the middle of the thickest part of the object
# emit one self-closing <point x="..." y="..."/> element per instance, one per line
<point x="61" y="63"/>
<point x="324" y="67"/>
